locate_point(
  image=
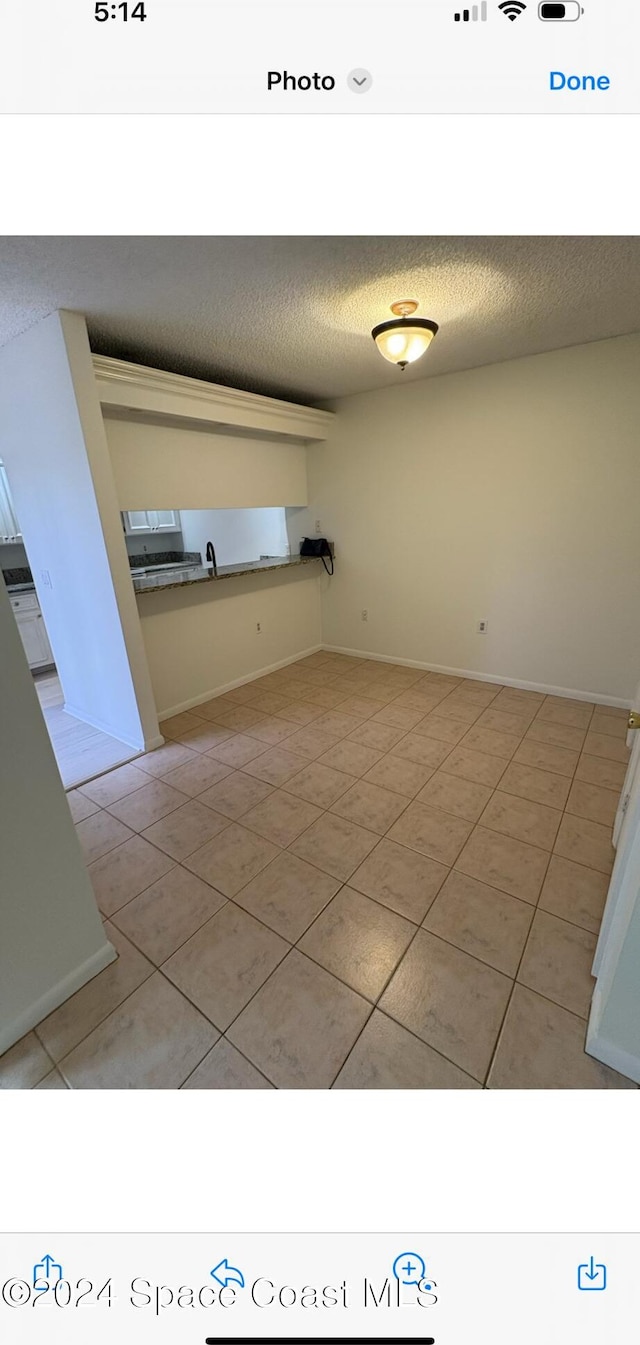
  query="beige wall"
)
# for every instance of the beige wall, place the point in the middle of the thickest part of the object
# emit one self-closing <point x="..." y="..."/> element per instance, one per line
<point x="169" y="467"/>
<point x="507" y="493"/>
<point x="200" y="639"/>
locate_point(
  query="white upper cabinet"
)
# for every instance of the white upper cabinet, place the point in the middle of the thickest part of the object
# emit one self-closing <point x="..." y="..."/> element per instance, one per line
<point x="150" y="520"/>
<point x="9" y="526"/>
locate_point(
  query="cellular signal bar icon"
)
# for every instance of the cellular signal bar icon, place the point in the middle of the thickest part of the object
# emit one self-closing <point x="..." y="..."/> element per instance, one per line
<point x="472" y="15"/>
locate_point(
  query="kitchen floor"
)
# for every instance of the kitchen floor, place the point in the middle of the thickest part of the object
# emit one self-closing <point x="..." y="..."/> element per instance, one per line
<point x="80" y="750"/>
<point x="347" y="874"/>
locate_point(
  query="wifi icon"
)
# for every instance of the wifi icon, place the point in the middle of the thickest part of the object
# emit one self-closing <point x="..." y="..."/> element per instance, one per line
<point x="512" y="9"/>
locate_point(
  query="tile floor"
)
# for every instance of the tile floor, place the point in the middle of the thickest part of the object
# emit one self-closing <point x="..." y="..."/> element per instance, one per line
<point x="347" y="874"/>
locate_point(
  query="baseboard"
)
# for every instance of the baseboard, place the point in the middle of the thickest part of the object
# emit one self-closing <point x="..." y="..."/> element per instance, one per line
<point x="569" y="692"/>
<point x="57" y="995"/>
<point x="95" y="723"/>
<point x="608" y="1054"/>
<point x="239" y="682"/>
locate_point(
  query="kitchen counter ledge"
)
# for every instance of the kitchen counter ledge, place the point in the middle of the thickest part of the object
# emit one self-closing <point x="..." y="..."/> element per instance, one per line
<point x="203" y="574"/>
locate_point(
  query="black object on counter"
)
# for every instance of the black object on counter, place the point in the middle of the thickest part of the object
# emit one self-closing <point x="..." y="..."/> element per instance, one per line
<point x="318" y="546"/>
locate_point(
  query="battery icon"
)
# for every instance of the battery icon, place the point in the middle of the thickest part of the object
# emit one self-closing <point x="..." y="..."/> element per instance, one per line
<point x="567" y="13"/>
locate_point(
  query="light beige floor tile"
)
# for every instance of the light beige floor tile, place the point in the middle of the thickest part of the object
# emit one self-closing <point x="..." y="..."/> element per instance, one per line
<point x="398" y="716"/>
<point x="80" y="1014"/>
<point x="154" y="1040"/>
<point x="517" y="701"/>
<point x="482" y="921"/>
<point x="272" y="731"/>
<point x="238" y="751"/>
<point x="382" y="737"/>
<point x="208" y="737"/>
<point x="511" y="866"/>
<point x="299" y="712"/>
<point x="197" y="775"/>
<point x="106" y="789"/>
<point x="360" y="708"/>
<point x="417" y="699"/>
<point x="186" y="829"/>
<point x="232" y="859"/>
<point x="288" y="895"/>
<point x="460" y="710"/>
<point x="616" y="711"/>
<point x="603" y="745"/>
<point x="423" y="750"/>
<point x="432" y="832"/>
<point x="522" y="819"/>
<point x="463" y="798"/>
<point x="268" y="702"/>
<point x="400" y="776"/>
<point x="609" y="724"/>
<point x="281" y="818"/>
<point x="238" y="696"/>
<point x="445" y="730"/>
<point x="180" y="723"/>
<point x="99" y="834"/>
<point x="370" y="806"/>
<point x="275" y="767"/>
<point x="594" y="802"/>
<point x="146" y="806"/>
<point x="450" y="1000"/>
<point x="351" y="758"/>
<point x="310" y="742"/>
<point x="501" y="745"/>
<point x="166" y="914"/>
<point x="53" y="1080"/>
<point x="121" y="874"/>
<point x="404" y="880"/>
<point x="224" y="1067"/>
<point x="326" y="698"/>
<point x="223" y="964"/>
<point x="387" y="1056"/>
<point x="585" y="842"/>
<point x="542" y="1046"/>
<point x="557" y="963"/>
<point x="334" y="845"/>
<point x="479" y="767"/>
<point x="556" y="735"/>
<point x="560" y="760"/>
<point x="25" y="1064"/>
<point x="575" y="893"/>
<point x="598" y="771"/>
<point x="236" y="794"/>
<point x="80" y="806"/>
<point x="240" y="718"/>
<point x="319" y="784"/>
<point x="538" y="786"/>
<point x="499" y="721"/>
<point x="165" y="759"/>
<point x="337" y="723"/>
<point x="301" y="1025"/>
<point x="358" y="941"/>
<point x="575" y="714"/>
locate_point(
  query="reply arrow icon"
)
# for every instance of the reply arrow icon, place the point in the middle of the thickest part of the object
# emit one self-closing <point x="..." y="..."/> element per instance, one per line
<point x="226" y="1274"/>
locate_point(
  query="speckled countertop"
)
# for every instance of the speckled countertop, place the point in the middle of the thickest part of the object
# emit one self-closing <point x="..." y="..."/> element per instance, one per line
<point x="201" y="574"/>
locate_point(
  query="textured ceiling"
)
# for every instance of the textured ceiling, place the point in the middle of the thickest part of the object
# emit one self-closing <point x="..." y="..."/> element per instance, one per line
<point x="292" y="316"/>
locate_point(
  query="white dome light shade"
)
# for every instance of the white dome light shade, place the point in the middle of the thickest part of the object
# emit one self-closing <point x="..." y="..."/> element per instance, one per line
<point x="404" y="339"/>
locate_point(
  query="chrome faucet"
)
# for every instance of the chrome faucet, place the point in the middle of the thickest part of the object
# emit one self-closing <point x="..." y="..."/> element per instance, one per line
<point x="211" y="557"/>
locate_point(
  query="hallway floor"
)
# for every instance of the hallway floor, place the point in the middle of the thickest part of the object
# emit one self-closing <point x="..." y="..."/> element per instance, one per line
<point x="347" y="874"/>
<point x="80" y="750"/>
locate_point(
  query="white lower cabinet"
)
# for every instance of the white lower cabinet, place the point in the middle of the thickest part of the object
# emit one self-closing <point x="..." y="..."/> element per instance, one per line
<point x="32" y="630"/>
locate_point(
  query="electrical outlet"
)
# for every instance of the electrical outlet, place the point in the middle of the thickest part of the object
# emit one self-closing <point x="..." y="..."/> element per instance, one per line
<point x="258" y="628"/>
<point x="482" y="626"/>
<point x="318" y="527"/>
<point x="364" y="614"/>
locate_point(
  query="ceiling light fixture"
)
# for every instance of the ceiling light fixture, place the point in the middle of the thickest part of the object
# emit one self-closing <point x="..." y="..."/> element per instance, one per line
<point x="405" y="338"/>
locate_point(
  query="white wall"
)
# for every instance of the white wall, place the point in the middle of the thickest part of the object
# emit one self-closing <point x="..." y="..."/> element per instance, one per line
<point x="506" y="493"/>
<point x="160" y="466"/>
<point x="57" y="460"/>
<point x="200" y="639"/>
<point x="52" y="936"/>
<point x="237" y="534"/>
